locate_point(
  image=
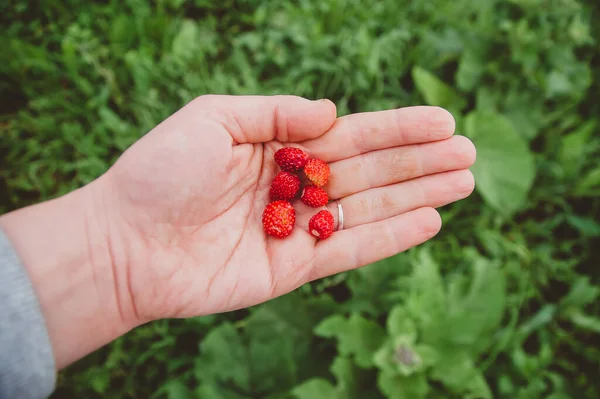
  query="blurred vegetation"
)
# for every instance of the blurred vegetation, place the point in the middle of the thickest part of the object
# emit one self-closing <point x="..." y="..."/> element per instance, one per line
<point x="502" y="304"/>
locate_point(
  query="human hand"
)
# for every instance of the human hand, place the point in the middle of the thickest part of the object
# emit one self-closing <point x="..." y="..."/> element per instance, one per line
<point x="174" y="228"/>
<point x="182" y="207"/>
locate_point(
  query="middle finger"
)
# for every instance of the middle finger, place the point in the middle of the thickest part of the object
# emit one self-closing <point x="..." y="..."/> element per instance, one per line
<point x="394" y="165"/>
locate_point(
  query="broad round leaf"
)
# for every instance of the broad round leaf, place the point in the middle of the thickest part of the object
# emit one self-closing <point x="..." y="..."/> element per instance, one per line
<point x="435" y="91"/>
<point x="505" y="168"/>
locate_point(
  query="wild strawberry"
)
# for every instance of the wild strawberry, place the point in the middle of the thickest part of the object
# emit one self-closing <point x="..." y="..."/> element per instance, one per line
<point x="317" y="172"/>
<point x="321" y="224"/>
<point x="285" y="186"/>
<point x="291" y="159"/>
<point x="314" y="196"/>
<point x="279" y="218"/>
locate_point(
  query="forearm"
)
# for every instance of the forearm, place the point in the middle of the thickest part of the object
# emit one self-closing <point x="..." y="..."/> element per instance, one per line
<point x="61" y="244"/>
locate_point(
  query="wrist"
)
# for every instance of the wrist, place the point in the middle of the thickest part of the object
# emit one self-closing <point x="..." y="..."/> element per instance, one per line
<point x="64" y="247"/>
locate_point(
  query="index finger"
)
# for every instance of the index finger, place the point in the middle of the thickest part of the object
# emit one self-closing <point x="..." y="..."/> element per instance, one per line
<point x="356" y="134"/>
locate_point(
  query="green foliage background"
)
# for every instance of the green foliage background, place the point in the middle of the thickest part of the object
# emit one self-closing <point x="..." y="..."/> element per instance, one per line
<point x="503" y="303"/>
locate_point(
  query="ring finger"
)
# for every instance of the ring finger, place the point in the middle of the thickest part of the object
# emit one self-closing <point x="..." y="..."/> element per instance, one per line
<point x="385" y="202"/>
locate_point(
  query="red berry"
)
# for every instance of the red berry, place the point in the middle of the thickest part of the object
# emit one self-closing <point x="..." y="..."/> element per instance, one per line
<point x="279" y="218"/>
<point x="285" y="186"/>
<point x="314" y="196"/>
<point x="291" y="159"/>
<point x="321" y="224"/>
<point x="317" y="172"/>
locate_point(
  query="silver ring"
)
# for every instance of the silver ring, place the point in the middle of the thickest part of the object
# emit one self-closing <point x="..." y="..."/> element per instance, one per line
<point x="340" y="215"/>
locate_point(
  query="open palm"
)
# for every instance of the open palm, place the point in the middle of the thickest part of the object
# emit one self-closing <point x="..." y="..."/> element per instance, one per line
<point x="185" y="202"/>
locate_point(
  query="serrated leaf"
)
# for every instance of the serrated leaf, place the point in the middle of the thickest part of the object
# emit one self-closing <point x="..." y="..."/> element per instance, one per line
<point x="435" y="91"/>
<point x="399" y="323"/>
<point x="478" y="312"/>
<point x="267" y="354"/>
<point x="355" y="335"/>
<point x="372" y="286"/>
<point x="224" y="358"/>
<point x="278" y="334"/>
<point x="504" y="170"/>
<point x="426" y="302"/>
<point x="454" y="369"/>
<point x="477" y="388"/>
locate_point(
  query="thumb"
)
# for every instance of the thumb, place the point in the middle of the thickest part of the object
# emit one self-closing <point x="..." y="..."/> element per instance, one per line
<point x="256" y="119"/>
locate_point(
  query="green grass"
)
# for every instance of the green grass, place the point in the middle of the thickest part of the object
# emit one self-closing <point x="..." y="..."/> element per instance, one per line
<point x="503" y="303"/>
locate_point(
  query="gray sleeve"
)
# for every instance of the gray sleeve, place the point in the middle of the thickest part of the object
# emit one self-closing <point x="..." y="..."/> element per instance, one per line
<point x="27" y="369"/>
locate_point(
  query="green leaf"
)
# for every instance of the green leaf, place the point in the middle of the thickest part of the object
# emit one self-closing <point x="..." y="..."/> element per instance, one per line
<point x="399" y="323"/>
<point x="120" y="32"/>
<point x="373" y="286"/>
<point x="344" y="371"/>
<point x="581" y="294"/>
<point x="356" y="336"/>
<point x="269" y="353"/>
<point x="278" y="333"/>
<point x="523" y="111"/>
<point x="589" y="184"/>
<point x="349" y="383"/>
<point x="224" y="358"/>
<point x="586" y="226"/>
<point x="314" y="388"/>
<point x="558" y="83"/>
<point x="477" y="387"/>
<point x="459" y="375"/>
<point x="100" y="380"/>
<point x="428" y="354"/>
<point x="402" y="356"/>
<point x="559" y="395"/>
<point x="470" y="69"/>
<point x="574" y="147"/>
<point x="474" y="315"/>
<point x="176" y="389"/>
<point x="426" y="302"/>
<point x="176" y="4"/>
<point x="395" y="386"/>
<point x="583" y="321"/>
<point x="541" y="318"/>
<point x="455" y="369"/>
<point x="186" y="43"/>
<point x="436" y="92"/>
<point x="504" y="170"/>
<point x="213" y="390"/>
